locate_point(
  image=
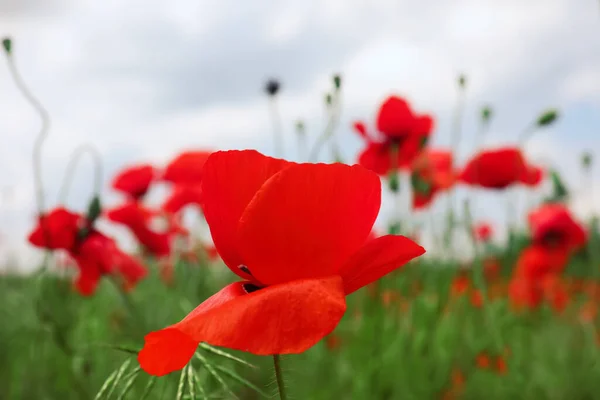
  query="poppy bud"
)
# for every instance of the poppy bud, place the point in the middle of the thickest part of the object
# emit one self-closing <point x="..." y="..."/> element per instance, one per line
<point x="328" y="99"/>
<point x="559" y="190"/>
<point x="586" y="160"/>
<point x="272" y="87"/>
<point x="394" y="228"/>
<point x="7" y="44"/>
<point x="94" y="210"/>
<point x="462" y="81"/>
<point x="394" y="182"/>
<point x="300" y="127"/>
<point x="337" y="81"/>
<point x="547" y="118"/>
<point x="486" y="113"/>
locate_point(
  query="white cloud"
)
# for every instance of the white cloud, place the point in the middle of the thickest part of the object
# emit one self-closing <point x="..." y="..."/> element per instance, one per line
<point x="143" y="79"/>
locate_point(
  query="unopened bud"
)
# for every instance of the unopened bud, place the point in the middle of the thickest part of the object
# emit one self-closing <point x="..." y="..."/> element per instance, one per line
<point x="7" y="44"/>
<point x="486" y="113"/>
<point x="394" y="182"/>
<point x="272" y="87"/>
<point x="462" y="81"/>
<point x="328" y="99"/>
<point x="586" y="160"/>
<point x="300" y="127"/>
<point x="547" y="117"/>
<point x="337" y="81"/>
<point x="94" y="210"/>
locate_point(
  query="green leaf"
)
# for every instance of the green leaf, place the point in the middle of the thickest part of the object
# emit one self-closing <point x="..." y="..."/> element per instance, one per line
<point x="241" y="380"/>
<point x="149" y="387"/>
<point x="120" y="373"/>
<point x="106" y="384"/>
<point x="214" y="373"/>
<point x="182" y="380"/>
<point x="222" y="353"/>
<point x="129" y="384"/>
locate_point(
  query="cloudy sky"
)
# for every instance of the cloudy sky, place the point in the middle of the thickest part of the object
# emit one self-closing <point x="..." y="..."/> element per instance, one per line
<point x="143" y="79"/>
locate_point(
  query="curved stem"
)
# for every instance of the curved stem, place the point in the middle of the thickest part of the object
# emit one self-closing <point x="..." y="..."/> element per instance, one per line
<point x="279" y="377"/>
<point x="71" y="168"/>
<point x="42" y="135"/>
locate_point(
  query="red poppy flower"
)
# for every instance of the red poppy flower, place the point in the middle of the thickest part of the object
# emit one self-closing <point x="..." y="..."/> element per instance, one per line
<point x="134" y="181"/>
<point x="536" y="265"/>
<point x="552" y="225"/>
<point x="460" y="285"/>
<point x="56" y="230"/>
<point x="537" y="261"/>
<point x="483" y="231"/>
<point x="555" y="292"/>
<point x="182" y="196"/>
<point x="402" y="136"/>
<point x="524" y="293"/>
<point x="186" y="168"/>
<point x="499" y="169"/>
<point x="98" y="255"/>
<point x="432" y="172"/>
<point x="532" y="176"/>
<point x="137" y="219"/>
<point x="296" y="234"/>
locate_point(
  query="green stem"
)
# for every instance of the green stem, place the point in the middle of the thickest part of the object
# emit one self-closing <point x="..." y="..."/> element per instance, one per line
<point x="279" y="377"/>
<point x="332" y="122"/>
<point x="277" y="130"/>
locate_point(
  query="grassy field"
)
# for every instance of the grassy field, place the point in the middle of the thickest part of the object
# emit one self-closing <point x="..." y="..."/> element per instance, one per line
<point x="418" y="334"/>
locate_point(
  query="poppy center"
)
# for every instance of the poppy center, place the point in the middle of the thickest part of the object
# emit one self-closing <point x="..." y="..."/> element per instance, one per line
<point x="250" y="287"/>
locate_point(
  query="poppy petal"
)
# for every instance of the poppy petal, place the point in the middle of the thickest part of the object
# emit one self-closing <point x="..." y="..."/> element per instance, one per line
<point x="395" y="117"/>
<point x="307" y="220"/>
<point x="280" y="319"/>
<point x="378" y="258"/>
<point x="377" y="157"/>
<point x="186" y="168"/>
<point x="230" y="180"/>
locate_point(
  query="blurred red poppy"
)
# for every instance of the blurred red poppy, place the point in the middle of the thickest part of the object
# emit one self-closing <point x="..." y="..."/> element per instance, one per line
<point x="402" y="136"/>
<point x="98" y="255"/>
<point x="186" y="168"/>
<point x="93" y="253"/>
<point x="499" y="169"/>
<point x="299" y="256"/>
<point x="536" y="264"/>
<point x="134" y="181"/>
<point x="137" y="218"/>
<point x="432" y="172"/>
<point x="57" y="230"/>
<point x="552" y="225"/>
<point x="483" y="232"/>
<point x="182" y="196"/>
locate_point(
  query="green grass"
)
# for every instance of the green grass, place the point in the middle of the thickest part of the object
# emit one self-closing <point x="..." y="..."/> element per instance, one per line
<point x="55" y="344"/>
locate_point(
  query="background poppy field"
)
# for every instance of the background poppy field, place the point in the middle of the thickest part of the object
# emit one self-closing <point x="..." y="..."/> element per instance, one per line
<point x="107" y="212"/>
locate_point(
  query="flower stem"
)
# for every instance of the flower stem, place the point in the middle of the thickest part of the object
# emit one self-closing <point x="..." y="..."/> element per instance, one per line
<point x="277" y="129"/>
<point x="279" y="377"/>
<point x="72" y="167"/>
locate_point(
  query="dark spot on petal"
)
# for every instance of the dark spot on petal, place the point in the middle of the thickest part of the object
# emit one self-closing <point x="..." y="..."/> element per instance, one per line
<point x="250" y="287"/>
<point x="245" y="270"/>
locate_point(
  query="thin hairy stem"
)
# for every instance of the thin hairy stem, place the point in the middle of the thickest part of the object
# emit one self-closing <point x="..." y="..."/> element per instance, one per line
<point x="279" y="377"/>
